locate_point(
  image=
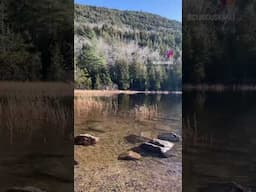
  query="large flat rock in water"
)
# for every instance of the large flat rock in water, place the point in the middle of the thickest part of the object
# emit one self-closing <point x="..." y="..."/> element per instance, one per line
<point x="158" y="147"/>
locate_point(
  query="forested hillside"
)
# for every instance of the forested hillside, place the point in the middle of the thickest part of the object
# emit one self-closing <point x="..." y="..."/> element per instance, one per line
<point x="36" y="40"/>
<point x="119" y="50"/>
<point x="222" y="48"/>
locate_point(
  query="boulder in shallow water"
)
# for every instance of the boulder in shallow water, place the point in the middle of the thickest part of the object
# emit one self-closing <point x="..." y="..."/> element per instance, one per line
<point x="159" y="147"/>
<point x="172" y="137"/>
<point x="86" y="140"/>
<point x="24" y="189"/>
<point x="129" y="155"/>
<point x="162" y="143"/>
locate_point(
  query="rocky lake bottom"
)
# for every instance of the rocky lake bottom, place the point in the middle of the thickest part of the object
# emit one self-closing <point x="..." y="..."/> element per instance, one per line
<point x="99" y="168"/>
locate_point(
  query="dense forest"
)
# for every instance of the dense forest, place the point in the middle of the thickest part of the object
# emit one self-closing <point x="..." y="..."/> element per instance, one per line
<point x="36" y="40"/>
<point x="117" y="49"/>
<point x="220" y="47"/>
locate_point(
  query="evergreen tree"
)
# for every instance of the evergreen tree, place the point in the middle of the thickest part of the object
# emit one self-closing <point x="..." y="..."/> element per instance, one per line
<point x="95" y="66"/>
<point x="121" y="74"/>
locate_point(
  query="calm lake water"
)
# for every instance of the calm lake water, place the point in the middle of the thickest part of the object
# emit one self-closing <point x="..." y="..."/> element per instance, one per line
<point x="36" y="139"/>
<point x="121" y="116"/>
<point x="219" y="140"/>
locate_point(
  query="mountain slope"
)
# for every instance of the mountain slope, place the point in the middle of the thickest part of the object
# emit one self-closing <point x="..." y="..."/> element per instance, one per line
<point x="114" y="41"/>
<point x="134" y="19"/>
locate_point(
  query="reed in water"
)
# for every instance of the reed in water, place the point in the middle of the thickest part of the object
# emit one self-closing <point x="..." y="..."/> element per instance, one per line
<point x="29" y="108"/>
<point x="89" y="103"/>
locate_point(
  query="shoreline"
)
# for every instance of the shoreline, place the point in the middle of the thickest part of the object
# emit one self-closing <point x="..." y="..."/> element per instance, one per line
<point x="115" y="92"/>
<point x="218" y="87"/>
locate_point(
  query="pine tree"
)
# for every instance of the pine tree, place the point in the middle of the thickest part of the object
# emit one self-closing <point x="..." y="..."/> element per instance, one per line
<point x="122" y="74"/>
<point x="56" y="71"/>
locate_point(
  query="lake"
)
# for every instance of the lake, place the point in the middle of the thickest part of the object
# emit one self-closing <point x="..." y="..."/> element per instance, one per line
<point x="115" y="117"/>
<point x="219" y="140"/>
<point x="36" y="136"/>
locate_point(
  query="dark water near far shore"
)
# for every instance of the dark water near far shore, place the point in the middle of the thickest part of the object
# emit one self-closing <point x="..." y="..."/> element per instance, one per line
<point x="219" y="143"/>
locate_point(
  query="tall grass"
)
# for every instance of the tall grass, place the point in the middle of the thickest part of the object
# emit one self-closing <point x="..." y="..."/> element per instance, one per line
<point x="88" y="107"/>
<point x="144" y="112"/>
<point x="94" y="104"/>
<point x="35" y="112"/>
<point x="192" y="135"/>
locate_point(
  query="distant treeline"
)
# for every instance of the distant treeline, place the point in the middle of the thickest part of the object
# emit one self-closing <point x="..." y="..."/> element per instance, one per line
<point x="36" y="40"/>
<point x="222" y="49"/>
<point x="117" y="50"/>
<point x="93" y="73"/>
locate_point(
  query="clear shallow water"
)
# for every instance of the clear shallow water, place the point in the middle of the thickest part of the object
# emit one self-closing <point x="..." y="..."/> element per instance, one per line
<point x="99" y="164"/>
<point x="219" y="139"/>
<point x="36" y="143"/>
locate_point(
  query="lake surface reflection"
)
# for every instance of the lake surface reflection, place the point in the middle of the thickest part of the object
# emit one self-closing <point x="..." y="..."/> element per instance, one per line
<point x="219" y="140"/>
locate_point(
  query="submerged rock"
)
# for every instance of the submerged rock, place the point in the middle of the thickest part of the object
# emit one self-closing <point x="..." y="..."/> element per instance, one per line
<point x="224" y="187"/>
<point x="172" y="137"/>
<point x="54" y="168"/>
<point x="24" y="189"/>
<point x="136" y="139"/>
<point x="96" y="129"/>
<point x="159" y="147"/>
<point x="86" y="139"/>
<point x="129" y="155"/>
